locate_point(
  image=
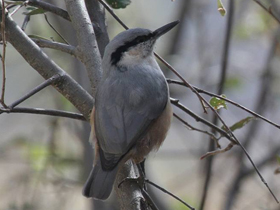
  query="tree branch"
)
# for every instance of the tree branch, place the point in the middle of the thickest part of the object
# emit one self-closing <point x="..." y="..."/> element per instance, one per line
<point x="130" y="195"/>
<point x="47" y="68"/>
<point x="56" y="46"/>
<point x="41" y="111"/>
<point x="87" y="49"/>
<point x="200" y="119"/>
<point x="268" y="10"/>
<point x="3" y="57"/>
<point x="212" y="136"/>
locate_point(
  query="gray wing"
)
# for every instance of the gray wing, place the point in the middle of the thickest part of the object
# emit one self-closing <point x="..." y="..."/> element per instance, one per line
<point x="125" y="108"/>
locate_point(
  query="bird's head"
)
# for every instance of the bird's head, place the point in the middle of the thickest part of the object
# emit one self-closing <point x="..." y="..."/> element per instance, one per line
<point x="133" y="45"/>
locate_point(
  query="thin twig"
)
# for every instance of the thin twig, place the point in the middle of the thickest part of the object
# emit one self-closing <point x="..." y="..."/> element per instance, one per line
<point x="3" y="57"/>
<point x="108" y="8"/>
<point x="46" y="83"/>
<point x="268" y="10"/>
<point x="41" y="111"/>
<point x="56" y="45"/>
<point x="212" y="136"/>
<point x="169" y="193"/>
<point x="171" y="81"/>
<point x="183" y="80"/>
<point x="25" y="22"/>
<point x="200" y="119"/>
<point x="46" y="18"/>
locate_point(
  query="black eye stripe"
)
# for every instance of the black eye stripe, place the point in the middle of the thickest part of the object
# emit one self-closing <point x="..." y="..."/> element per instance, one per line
<point x="116" y="56"/>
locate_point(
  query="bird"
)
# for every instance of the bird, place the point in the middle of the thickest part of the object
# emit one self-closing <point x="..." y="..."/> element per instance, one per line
<point x="132" y="112"/>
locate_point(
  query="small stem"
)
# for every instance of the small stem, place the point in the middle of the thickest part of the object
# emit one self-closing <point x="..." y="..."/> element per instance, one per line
<point x="46" y="18"/>
<point x="41" y="111"/>
<point x="200" y="119"/>
<point x="169" y="193"/>
<point x="3" y="58"/>
<point x="212" y="136"/>
<point x="46" y="83"/>
<point x="268" y="10"/>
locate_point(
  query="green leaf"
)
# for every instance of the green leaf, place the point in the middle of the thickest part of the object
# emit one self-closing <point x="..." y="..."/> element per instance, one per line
<point x="35" y="11"/>
<point x="240" y="124"/>
<point x="221" y="8"/>
<point x="218" y="103"/>
<point x="118" y="4"/>
<point x="37" y="37"/>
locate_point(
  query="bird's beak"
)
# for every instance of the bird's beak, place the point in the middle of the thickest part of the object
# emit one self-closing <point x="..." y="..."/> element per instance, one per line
<point x="164" y="29"/>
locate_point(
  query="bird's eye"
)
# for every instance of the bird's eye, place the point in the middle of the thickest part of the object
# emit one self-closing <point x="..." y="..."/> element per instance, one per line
<point x="141" y="39"/>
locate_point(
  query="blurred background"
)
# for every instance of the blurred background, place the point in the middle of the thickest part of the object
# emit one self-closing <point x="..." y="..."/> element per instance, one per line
<point x="44" y="161"/>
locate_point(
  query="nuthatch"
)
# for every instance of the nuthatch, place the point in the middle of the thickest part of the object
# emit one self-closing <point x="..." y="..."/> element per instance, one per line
<point x="132" y="112"/>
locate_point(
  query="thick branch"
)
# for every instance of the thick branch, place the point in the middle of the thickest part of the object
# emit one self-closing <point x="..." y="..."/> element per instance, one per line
<point x="47" y="68"/>
<point x="87" y="49"/>
<point x="129" y="195"/>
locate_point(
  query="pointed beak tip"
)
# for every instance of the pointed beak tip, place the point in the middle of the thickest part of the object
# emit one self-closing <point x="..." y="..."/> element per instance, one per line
<point x="164" y="29"/>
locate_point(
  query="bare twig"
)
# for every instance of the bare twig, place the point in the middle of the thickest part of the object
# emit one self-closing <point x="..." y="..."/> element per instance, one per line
<point x="171" y="81"/>
<point x="183" y="80"/>
<point x="169" y="193"/>
<point x="268" y="10"/>
<point x="200" y="119"/>
<point x="41" y="111"/>
<point x="56" y="45"/>
<point x="56" y="31"/>
<point x="212" y="136"/>
<point x="46" y="83"/>
<point x="25" y="22"/>
<point x="108" y="8"/>
<point x="3" y="57"/>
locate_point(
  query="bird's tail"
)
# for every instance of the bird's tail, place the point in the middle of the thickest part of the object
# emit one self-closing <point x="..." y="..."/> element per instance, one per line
<point x="99" y="183"/>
